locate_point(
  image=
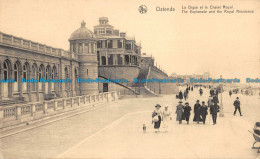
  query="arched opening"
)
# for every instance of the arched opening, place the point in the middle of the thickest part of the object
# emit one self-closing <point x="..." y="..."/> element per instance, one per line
<point x="127" y="60"/>
<point x="17" y="76"/>
<point x="76" y="82"/>
<point x="66" y="77"/>
<point x="103" y="60"/>
<point x="47" y="77"/>
<point x="7" y="75"/>
<point x="34" y="76"/>
<point x="53" y="76"/>
<point x="41" y="73"/>
<point x="25" y="76"/>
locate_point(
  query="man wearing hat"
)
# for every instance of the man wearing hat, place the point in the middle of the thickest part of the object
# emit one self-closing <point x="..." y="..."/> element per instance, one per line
<point x="197" y="111"/>
<point x="187" y="110"/>
<point x="237" y="106"/>
<point x="179" y="112"/>
<point x="204" y="112"/>
<point x="214" y="109"/>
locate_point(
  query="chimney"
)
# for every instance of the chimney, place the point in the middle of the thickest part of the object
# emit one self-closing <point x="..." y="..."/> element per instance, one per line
<point x="122" y="34"/>
<point x="116" y="32"/>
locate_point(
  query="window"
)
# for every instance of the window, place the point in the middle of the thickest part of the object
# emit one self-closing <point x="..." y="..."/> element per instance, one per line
<point x="128" y="46"/>
<point x="40" y="72"/>
<point x="109" y="32"/>
<point x="101" y="30"/>
<point x="92" y="48"/>
<point x="15" y="72"/>
<point x="34" y="75"/>
<point x="74" y="47"/>
<point x="99" y="44"/>
<point x="79" y="48"/>
<point x="119" y="44"/>
<point x="110" y="44"/>
<point x="6" y="70"/>
<point x="25" y="71"/>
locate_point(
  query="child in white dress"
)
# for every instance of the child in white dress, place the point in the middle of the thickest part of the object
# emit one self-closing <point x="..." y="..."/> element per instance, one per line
<point x="166" y="117"/>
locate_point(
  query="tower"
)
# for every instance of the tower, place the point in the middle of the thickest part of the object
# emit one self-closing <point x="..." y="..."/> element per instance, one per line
<point x="84" y="43"/>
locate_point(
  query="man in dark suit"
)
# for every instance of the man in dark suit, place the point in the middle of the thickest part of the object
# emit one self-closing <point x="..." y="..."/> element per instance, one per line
<point x="237" y="106"/>
<point x="204" y="111"/>
<point x="214" y="109"/>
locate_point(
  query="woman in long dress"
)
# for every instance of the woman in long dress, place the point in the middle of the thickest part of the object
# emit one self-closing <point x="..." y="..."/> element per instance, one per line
<point x="166" y="117"/>
<point x="179" y="112"/>
<point x="157" y="112"/>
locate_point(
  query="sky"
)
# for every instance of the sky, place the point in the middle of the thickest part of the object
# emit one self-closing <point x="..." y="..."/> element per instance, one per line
<point x="222" y="44"/>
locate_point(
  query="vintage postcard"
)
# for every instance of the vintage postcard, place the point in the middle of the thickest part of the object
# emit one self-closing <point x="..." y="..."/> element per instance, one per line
<point x="129" y="79"/>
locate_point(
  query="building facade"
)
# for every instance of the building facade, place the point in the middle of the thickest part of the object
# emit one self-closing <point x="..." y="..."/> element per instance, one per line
<point x="31" y="61"/>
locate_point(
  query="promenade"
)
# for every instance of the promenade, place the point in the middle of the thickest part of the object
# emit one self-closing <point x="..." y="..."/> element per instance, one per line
<point x="115" y="131"/>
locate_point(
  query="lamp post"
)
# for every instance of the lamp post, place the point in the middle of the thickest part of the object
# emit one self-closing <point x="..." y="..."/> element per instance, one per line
<point x="221" y="113"/>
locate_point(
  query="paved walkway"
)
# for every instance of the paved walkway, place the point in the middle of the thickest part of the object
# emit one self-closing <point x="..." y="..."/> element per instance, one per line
<point x="115" y="131"/>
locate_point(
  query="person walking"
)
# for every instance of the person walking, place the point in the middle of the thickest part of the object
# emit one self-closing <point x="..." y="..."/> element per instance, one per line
<point x="201" y="91"/>
<point x="157" y="117"/>
<point x="179" y="112"/>
<point x="185" y="95"/>
<point x="180" y="95"/>
<point x="214" y="109"/>
<point x="197" y="111"/>
<point x="237" y="106"/>
<point x="166" y="116"/>
<point x="215" y="99"/>
<point x="204" y="111"/>
<point x="230" y="93"/>
<point x="186" y="112"/>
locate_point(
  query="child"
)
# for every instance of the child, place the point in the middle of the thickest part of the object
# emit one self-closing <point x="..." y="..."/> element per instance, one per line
<point x="166" y="117"/>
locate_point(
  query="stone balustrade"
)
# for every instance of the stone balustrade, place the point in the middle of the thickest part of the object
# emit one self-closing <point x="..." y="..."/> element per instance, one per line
<point x="21" y="43"/>
<point x="22" y="113"/>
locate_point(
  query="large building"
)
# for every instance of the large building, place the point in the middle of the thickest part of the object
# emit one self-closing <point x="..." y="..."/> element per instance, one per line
<point x="21" y="58"/>
<point x="105" y="53"/>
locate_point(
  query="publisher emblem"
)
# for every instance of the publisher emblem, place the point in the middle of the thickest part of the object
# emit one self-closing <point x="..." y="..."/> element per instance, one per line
<point x="142" y="9"/>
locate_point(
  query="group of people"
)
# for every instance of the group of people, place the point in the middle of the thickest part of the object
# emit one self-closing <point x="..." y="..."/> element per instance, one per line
<point x="200" y="112"/>
<point x="159" y="116"/>
<point x="183" y="112"/>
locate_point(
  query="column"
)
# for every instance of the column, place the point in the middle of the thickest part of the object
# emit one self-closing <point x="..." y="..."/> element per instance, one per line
<point x="29" y="85"/>
<point x="106" y="59"/>
<point x="123" y="59"/>
<point x="1" y="88"/>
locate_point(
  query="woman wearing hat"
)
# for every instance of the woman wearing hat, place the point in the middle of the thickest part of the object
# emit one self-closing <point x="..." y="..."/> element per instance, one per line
<point x="157" y="117"/>
<point x="197" y="112"/>
<point x="179" y="112"/>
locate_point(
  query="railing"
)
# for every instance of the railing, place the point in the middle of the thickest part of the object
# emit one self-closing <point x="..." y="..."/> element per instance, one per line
<point x="34" y="46"/>
<point x="20" y="113"/>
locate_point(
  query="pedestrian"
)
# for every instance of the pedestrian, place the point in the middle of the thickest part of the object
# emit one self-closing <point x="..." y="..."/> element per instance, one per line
<point x="215" y="99"/>
<point x="210" y="101"/>
<point x="180" y="95"/>
<point x="237" y="106"/>
<point x="186" y="113"/>
<point x="197" y="111"/>
<point x="157" y="117"/>
<point x="230" y="93"/>
<point x="211" y="92"/>
<point x="204" y="111"/>
<point x="214" y="109"/>
<point x="191" y="88"/>
<point x="185" y="95"/>
<point x="179" y="112"/>
<point x="201" y="92"/>
<point x="166" y="116"/>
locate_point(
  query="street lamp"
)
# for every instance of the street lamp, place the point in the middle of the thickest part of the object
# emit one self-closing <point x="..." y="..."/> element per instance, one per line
<point x="221" y="113"/>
